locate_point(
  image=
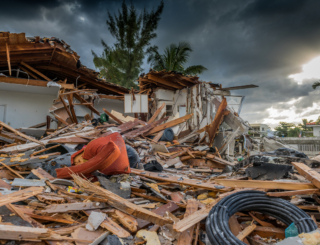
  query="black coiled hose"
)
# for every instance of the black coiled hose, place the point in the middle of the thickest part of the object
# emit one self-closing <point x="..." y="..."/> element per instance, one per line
<point x="217" y="224"/>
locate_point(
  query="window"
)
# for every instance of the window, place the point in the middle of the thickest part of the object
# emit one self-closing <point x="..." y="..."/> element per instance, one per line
<point x="262" y="129"/>
<point x="169" y="110"/>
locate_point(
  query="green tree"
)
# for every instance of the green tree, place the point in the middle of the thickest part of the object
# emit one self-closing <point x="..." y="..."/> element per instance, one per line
<point x="283" y="128"/>
<point x="174" y="58"/>
<point x="133" y="32"/>
<point x="304" y="124"/>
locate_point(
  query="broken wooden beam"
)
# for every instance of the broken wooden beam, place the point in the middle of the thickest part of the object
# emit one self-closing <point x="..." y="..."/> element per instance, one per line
<point x="16" y="132"/>
<point x="169" y="124"/>
<point x="178" y="180"/>
<point x="157" y="112"/>
<point x="113" y="117"/>
<point x="261" y="184"/>
<point x="308" y="173"/>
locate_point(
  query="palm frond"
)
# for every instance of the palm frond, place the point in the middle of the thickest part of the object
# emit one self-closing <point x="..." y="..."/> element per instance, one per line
<point x="195" y="70"/>
<point x="315" y="85"/>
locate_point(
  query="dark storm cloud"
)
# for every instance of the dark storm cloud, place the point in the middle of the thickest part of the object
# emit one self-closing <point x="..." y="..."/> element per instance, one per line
<point x="240" y="42"/>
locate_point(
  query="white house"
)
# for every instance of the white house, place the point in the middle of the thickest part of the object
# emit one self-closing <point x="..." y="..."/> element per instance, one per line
<point x="315" y="127"/>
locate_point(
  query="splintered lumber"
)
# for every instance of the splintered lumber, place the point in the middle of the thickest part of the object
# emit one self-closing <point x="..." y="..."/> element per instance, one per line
<point x="128" y="125"/>
<point x="308" y="173"/>
<point x="268" y="232"/>
<point x="11" y="170"/>
<point x="14" y="232"/>
<point x="43" y="150"/>
<point x="121" y="203"/>
<point x="293" y="193"/>
<point x="36" y="71"/>
<point x="156" y="199"/>
<point x="113" y="117"/>
<point x="261" y="222"/>
<point x="66" y="107"/>
<point x="8" y="58"/>
<point x="40" y="176"/>
<point x="20" y="195"/>
<point x="16" y="132"/>
<point x="219" y="160"/>
<point x="246" y="232"/>
<point x="178" y="180"/>
<point x="236" y="228"/>
<point x="158" y="136"/>
<point x="169" y="124"/>
<point x="61" y="208"/>
<point x="58" y="132"/>
<point x="140" y="131"/>
<point x="157" y="112"/>
<point x="169" y="207"/>
<point x="201" y="214"/>
<point x="112" y="226"/>
<point x="214" y="126"/>
<point x="126" y="220"/>
<point x="70" y="100"/>
<point x="83" y="101"/>
<point x="261" y="184"/>
<point x="186" y="236"/>
<point x="48" y="218"/>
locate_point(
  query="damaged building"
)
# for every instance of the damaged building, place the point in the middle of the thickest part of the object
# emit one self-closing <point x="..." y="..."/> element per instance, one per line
<point x="86" y="161"/>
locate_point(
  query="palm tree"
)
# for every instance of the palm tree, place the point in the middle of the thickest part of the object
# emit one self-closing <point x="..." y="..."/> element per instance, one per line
<point x="173" y="59"/>
<point x="304" y="124"/>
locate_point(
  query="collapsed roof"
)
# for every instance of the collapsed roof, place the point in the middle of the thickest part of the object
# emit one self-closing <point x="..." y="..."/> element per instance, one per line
<point x="48" y="59"/>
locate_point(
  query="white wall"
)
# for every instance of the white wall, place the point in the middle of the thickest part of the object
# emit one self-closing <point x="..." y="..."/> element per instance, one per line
<point x="316" y="131"/>
<point x="25" y="105"/>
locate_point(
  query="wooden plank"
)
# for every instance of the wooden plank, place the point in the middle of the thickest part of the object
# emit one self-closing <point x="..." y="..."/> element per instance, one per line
<point x="74" y="116"/>
<point x="158" y="136"/>
<point x="36" y="71"/>
<point x="293" y="193"/>
<point x="14" y="232"/>
<point x="163" y="81"/>
<point x="186" y="237"/>
<point x="71" y="140"/>
<point x="236" y="228"/>
<point x="113" y="117"/>
<point x="11" y="170"/>
<point x="66" y="108"/>
<point x="214" y="126"/>
<point x="201" y="214"/>
<point x="20" y="195"/>
<point x="48" y="218"/>
<point x="16" y="132"/>
<point x="246" y="232"/>
<point x="261" y="184"/>
<point x="31" y="82"/>
<point x="8" y="58"/>
<point x="308" y="173"/>
<point x="61" y="208"/>
<point x="157" y="199"/>
<point x="121" y="203"/>
<point x="169" y="124"/>
<point x="90" y="107"/>
<point x="142" y="130"/>
<point x="219" y="160"/>
<point x="29" y="72"/>
<point x="43" y="150"/>
<point x="157" y="112"/>
<point x="57" y="132"/>
<point x="268" y="232"/>
<point x="40" y="176"/>
<point x="261" y="222"/>
<point x="178" y="180"/>
<point x="169" y="207"/>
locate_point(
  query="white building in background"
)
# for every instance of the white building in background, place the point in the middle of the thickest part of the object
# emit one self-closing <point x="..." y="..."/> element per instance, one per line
<point x="315" y="127"/>
<point x="259" y="129"/>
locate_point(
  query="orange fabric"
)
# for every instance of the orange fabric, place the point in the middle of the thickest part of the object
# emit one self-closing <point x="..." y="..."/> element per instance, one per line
<point x="108" y="154"/>
<point x="119" y="166"/>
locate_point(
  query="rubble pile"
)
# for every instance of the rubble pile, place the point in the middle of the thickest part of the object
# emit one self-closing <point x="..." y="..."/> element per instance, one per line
<point x="69" y="187"/>
<point x="180" y="168"/>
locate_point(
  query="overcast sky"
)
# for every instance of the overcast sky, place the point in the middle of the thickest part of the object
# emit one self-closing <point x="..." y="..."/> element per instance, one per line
<point x="241" y="42"/>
